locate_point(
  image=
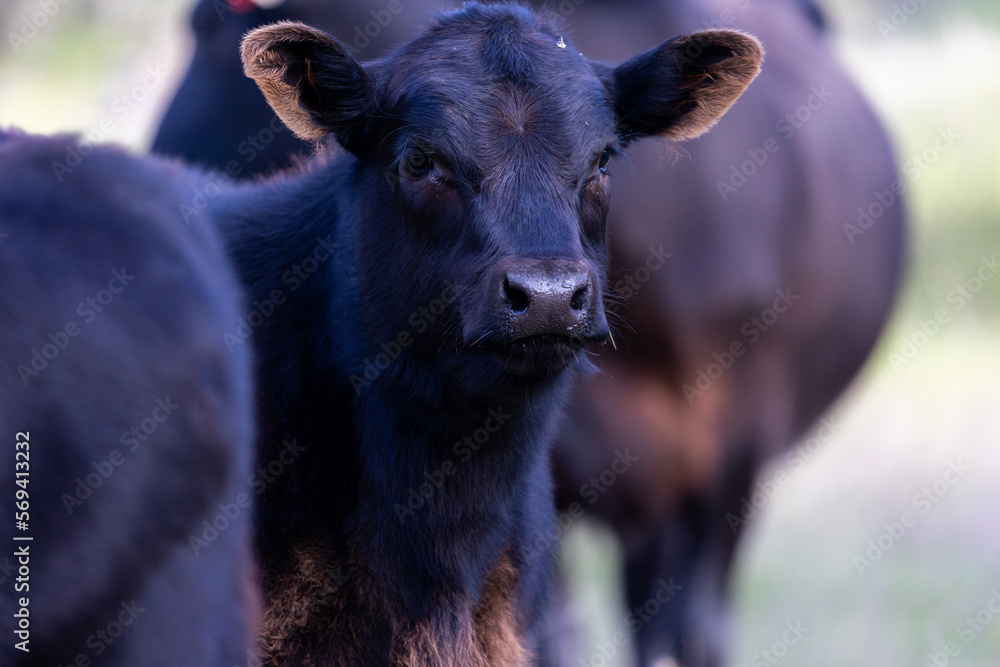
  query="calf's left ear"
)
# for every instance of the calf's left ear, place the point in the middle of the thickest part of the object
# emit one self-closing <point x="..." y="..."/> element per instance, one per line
<point x="681" y="88"/>
<point x="310" y="80"/>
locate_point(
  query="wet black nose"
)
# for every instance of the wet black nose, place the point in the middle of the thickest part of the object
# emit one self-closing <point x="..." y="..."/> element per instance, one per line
<point x="555" y="297"/>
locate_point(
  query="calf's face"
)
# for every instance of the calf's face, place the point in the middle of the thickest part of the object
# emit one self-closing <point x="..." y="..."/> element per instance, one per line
<point x="482" y="150"/>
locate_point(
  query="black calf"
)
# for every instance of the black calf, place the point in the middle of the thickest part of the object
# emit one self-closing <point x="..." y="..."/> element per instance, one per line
<point x="422" y="362"/>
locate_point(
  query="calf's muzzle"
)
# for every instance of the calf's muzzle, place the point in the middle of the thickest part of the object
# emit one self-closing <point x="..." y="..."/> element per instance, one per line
<point x="547" y="297"/>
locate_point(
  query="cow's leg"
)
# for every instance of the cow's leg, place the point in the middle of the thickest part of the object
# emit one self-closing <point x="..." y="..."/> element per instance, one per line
<point x="677" y="580"/>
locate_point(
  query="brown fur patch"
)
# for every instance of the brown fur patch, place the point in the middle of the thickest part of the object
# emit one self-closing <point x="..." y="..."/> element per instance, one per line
<point x="498" y="630"/>
<point x="488" y="635"/>
<point x="299" y="600"/>
<point x="305" y="622"/>
<point x="720" y="84"/>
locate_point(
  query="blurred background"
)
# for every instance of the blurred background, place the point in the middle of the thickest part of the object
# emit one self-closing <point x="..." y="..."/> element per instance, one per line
<point x="919" y="431"/>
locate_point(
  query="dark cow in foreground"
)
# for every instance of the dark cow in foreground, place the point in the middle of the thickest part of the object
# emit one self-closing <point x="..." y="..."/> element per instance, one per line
<point x="127" y="423"/>
<point x="421" y="295"/>
<point x="744" y="239"/>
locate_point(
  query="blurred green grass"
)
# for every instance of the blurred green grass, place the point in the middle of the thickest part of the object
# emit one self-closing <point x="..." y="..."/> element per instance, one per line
<point x="904" y="422"/>
<point x="900" y="433"/>
<point x="67" y="76"/>
<point x="901" y="424"/>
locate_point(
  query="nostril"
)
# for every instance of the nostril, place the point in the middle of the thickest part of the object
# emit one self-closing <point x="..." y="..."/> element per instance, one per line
<point x="579" y="300"/>
<point x="516" y="298"/>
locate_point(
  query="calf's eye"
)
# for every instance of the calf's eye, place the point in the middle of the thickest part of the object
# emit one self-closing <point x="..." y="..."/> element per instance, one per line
<point x="418" y="163"/>
<point x="605" y="159"/>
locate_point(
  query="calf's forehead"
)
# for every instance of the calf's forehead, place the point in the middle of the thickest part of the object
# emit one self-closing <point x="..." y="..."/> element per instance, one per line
<point x="497" y="87"/>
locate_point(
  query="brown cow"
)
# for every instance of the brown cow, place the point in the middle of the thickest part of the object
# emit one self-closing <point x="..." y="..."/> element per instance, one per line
<point x="772" y="298"/>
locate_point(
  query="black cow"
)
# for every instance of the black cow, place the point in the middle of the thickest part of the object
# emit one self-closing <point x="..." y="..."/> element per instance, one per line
<point x="126" y="422"/>
<point x="736" y="233"/>
<point x="419" y="299"/>
<point x="218" y="117"/>
<point x="247" y="135"/>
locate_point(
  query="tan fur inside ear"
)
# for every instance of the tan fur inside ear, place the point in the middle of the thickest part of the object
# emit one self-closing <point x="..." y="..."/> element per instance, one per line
<point x="298" y="69"/>
<point x="266" y="60"/>
<point x="713" y="85"/>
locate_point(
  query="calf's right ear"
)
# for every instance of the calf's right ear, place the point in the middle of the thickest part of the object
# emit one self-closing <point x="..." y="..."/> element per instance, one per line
<point x="681" y="88"/>
<point x="310" y="80"/>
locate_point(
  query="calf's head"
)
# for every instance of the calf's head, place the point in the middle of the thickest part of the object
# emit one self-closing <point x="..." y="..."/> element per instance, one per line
<point x="481" y="163"/>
